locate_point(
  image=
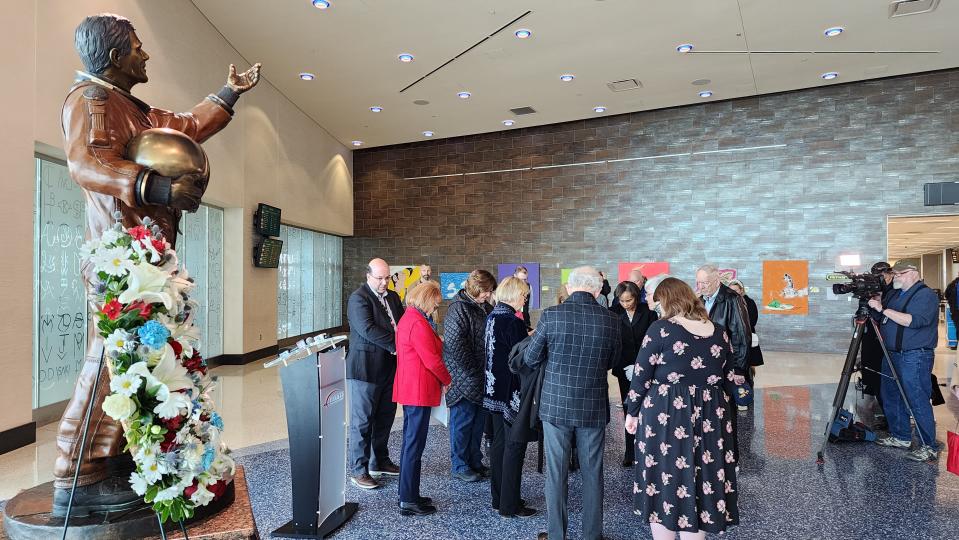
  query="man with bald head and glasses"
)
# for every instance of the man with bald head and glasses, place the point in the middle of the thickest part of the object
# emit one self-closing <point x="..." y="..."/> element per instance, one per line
<point x="373" y="311"/>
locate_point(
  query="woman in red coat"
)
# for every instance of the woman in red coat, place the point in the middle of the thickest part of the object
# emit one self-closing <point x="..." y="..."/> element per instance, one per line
<point x="420" y="380"/>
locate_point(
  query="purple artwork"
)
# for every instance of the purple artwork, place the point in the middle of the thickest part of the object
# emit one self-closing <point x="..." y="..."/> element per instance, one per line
<point x="506" y="270"/>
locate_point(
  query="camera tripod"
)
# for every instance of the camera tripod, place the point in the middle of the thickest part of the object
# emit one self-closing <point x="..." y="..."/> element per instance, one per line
<point x="863" y="317"/>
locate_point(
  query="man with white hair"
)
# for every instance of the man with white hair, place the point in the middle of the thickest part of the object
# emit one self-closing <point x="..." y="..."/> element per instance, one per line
<point x="727" y="309"/>
<point x="578" y="340"/>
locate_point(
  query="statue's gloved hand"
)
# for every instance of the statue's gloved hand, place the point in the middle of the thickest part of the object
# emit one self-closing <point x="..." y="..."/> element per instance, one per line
<point x="186" y="191"/>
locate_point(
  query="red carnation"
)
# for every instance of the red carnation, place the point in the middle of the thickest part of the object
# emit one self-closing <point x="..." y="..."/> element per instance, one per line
<point x="173" y="424"/>
<point x="177" y="348"/>
<point x="159" y="244"/>
<point x="168" y="441"/>
<point x="190" y="490"/>
<point x="112" y="309"/>
<point x="139" y="232"/>
<point x="144" y="309"/>
<point x="218" y="489"/>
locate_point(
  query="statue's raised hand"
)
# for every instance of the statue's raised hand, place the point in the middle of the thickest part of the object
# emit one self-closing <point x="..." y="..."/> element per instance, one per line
<point x="244" y="81"/>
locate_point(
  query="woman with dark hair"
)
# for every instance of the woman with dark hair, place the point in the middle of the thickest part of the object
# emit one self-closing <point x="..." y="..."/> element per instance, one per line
<point x="420" y="377"/>
<point x="635" y="318"/>
<point x="464" y="353"/>
<point x="680" y="409"/>
<point x="755" y="353"/>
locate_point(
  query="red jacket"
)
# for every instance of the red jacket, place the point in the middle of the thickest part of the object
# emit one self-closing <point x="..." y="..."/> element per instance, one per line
<point x="420" y="372"/>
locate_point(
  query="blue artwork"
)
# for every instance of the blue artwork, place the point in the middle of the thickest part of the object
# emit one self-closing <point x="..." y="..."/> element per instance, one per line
<point x="451" y="283"/>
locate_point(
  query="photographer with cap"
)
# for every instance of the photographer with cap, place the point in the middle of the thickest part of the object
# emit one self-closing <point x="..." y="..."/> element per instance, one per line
<point x="909" y="325"/>
<point x="872" y="358"/>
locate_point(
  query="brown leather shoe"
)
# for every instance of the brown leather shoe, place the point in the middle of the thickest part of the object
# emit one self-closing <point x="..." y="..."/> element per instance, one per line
<point x="365" y="481"/>
<point x="386" y="469"/>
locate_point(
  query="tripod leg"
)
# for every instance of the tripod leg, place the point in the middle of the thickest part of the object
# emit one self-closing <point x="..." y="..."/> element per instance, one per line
<point x="83" y="444"/>
<point x="183" y="529"/>
<point x="160" y="522"/>
<point x="840" y="397"/>
<point x="895" y="376"/>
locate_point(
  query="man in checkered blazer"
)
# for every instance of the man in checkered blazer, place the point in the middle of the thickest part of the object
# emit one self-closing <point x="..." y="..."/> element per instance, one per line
<point x="578" y="341"/>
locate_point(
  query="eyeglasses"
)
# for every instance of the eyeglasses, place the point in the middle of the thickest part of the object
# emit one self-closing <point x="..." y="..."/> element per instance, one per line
<point x="378" y="278"/>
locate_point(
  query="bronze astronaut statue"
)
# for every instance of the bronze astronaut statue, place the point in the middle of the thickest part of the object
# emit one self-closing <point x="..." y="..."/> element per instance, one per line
<point x="99" y="119"/>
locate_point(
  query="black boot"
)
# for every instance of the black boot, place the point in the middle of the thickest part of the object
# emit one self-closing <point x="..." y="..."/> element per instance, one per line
<point x="112" y="494"/>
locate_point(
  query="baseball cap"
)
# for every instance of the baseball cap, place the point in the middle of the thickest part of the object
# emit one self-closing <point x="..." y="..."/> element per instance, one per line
<point x="880" y="268"/>
<point x="902" y="266"/>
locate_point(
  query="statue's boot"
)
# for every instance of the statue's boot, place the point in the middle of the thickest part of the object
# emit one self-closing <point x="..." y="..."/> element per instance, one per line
<point x="103" y="484"/>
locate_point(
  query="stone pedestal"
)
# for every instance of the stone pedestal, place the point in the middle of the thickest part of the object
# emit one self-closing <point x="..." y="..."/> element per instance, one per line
<point x="27" y="517"/>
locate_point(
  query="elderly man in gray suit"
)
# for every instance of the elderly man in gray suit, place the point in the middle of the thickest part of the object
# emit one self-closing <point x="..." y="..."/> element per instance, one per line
<point x="578" y="341"/>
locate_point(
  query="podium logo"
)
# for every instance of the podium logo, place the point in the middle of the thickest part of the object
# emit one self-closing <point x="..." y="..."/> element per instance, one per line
<point x="335" y="396"/>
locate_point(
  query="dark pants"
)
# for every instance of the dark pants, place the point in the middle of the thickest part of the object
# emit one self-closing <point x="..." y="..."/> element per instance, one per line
<point x="371" y="416"/>
<point x="620" y="374"/>
<point x="590" y="443"/>
<point x="467" y="420"/>
<point x="506" y="461"/>
<point x="416" y="423"/>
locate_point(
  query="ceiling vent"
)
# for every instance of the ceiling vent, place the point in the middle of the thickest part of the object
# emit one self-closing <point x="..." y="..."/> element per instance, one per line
<point x="522" y="110"/>
<point x="623" y="85"/>
<point x="901" y="8"/>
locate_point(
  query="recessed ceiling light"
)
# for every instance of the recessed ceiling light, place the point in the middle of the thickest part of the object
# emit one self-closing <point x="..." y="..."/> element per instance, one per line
<point x="830" y="76"/>
<point x="405" y="58"/>
<point x="508" y="123"/>
<point x="566" y="77"/>
<point x="307" y="76"/>
<point x="463" y="95"/>
<point x="357" y="143"/>
<point x="599" y="109"/>
<point x="523" y="33"/>
<point x="685" y="47"/>
<point x="321" y="4"/>
<point x="427" y="133"/>
<point x="705" y="94"/>
<point x="834" y="31"/>
<point x="376" y="109"/>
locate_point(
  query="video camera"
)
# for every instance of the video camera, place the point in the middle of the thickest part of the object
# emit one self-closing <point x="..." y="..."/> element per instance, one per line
<point x="862" y="286"/>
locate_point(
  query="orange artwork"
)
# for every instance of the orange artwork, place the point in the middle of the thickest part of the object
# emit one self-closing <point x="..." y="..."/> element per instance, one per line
<point x="649" y="269"/>
<point x="786" y="287"/>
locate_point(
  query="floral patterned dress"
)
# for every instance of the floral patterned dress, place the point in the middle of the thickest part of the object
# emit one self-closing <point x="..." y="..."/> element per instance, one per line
<point x="685" y="473"/>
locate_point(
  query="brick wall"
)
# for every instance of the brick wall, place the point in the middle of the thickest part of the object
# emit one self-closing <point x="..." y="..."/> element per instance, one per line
<point x="853" y="154"/>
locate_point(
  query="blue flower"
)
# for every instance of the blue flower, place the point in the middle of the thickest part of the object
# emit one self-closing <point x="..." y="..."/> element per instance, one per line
<point x="216" y="421"/>
<point x="153" y="334"/>
<point x="208" y="456"/>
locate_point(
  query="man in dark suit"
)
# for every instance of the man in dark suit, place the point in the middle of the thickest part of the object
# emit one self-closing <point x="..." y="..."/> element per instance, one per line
<point x="373" y="312"/>
<point x="578" y="340"/>
<point x="727" y="309"/>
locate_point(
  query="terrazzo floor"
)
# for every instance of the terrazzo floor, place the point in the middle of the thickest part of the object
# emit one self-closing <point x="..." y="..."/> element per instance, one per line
<point x="862" y="492"/>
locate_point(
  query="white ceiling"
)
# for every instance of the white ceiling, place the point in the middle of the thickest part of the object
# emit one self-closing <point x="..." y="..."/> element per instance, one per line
<point x="910" y="237"/>
<point x="352" y="49"/>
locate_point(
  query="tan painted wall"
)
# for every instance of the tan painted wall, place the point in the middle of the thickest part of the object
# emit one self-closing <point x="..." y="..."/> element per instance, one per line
<point x="271" y="152"/>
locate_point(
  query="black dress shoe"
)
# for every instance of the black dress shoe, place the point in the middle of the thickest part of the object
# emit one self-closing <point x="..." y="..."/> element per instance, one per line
<point x="523" y="512"/>
<point x="628" y="461"/>
<point x="416" y="509"/>
<point x="112" y="494"/>
<point x="522" y="503"/>
<point x="484" y="471"/>
<point x="385" y="469"/>
<point x="426" y="500"/>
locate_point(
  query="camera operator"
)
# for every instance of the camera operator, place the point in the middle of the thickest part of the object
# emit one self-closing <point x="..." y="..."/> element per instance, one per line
<point x="909" y="324"/>
<point x="872" y="358"/>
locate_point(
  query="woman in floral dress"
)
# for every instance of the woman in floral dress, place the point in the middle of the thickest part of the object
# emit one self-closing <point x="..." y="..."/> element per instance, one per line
<point x="680" y="409"/>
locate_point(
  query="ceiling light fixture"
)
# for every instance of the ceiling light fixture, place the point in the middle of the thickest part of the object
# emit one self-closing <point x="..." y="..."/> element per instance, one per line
<point x="406" y="58"/>
<point x="376" y="109"/>
<point x="427" y="133"/>
<point x="830" y="76"/>
<point x="523" y="33"/>
<point x="566" y="77"/>
<point x="307" y="76"/>
<point x="357" y="143"/>
<point x="705" y="94"/>
<point x="834" y="31"/>
<point x="321" y="4"/>
<point x="508" y="123"/>
<point x="684" y="48"/>
<point x="599" y="109"/>
<point x="463" y="95"/>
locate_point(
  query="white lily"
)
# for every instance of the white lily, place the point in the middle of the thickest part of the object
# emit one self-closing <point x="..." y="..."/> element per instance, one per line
<point x="146" y="253"/>
<point x="171" y="407"/>
<point x="147" y="283"/>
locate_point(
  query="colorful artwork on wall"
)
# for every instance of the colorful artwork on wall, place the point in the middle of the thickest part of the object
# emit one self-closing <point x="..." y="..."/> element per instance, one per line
<point x="452" y="282"/>
<point x="786" y="287"/>
<point x="532" y="277"/>
<point x="727" y="274"/>
<point x="649" y="270"/>
<point x="564" y="275"/>
<point x="401" y="278"/>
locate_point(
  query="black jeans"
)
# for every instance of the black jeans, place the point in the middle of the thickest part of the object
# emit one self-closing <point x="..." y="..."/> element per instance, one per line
<point x="506" y="461"/>
<point x="620" y="375"/>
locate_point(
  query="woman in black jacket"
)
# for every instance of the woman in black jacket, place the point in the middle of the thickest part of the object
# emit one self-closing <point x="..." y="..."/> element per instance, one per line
<point x="635" y="318"/>
<point x="755" y="353"/>
<point x="464" y="353"/>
